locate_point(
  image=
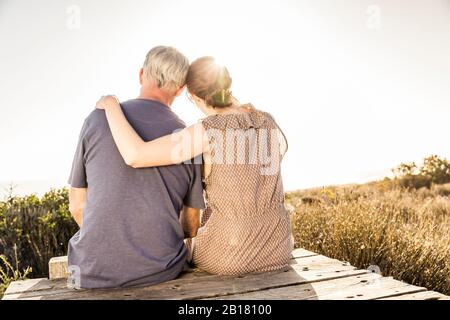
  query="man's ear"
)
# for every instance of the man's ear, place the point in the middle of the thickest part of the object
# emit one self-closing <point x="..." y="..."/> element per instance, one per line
<point x="180" y="91"/>
<point x="141" y="76"/>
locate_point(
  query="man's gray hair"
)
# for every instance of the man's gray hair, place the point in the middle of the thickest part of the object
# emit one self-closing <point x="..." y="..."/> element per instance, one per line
<point x="167" y="67"/>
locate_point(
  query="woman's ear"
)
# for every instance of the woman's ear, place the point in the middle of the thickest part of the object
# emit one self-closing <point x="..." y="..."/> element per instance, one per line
<point x="200" y="103"/>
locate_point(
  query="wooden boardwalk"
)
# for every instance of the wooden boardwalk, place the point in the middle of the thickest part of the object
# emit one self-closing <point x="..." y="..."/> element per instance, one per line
<point x="310" y="277"/>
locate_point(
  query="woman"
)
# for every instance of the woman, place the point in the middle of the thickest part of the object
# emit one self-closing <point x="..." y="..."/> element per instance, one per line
<point x="245" y="227"/>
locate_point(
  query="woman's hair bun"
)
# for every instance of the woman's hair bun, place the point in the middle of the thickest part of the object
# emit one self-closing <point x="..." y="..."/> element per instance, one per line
<point x="221" y="98"/>
<point x="210" y="82"/>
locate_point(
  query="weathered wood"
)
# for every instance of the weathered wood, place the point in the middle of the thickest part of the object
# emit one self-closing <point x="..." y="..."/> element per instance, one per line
<point x="315" y="262"/>
<point x="361" y="287"/>
<point x="42" y="287"/>
<point x="316" y="268"/>
<point x="193" y="290"/>
<point x="29" y="285"/>
<point x="424" y="295"/>
<point x="18" y="296"/>
<point x="302" y="253"/>
<point x="57" y="268"/>
<point x="309" y="276"/>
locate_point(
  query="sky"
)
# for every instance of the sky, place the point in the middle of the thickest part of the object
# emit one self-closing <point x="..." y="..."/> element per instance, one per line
<point x="358" y="86"/>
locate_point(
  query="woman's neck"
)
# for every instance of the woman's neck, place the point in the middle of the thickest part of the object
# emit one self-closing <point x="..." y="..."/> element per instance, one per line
<point x="236" y="108"/>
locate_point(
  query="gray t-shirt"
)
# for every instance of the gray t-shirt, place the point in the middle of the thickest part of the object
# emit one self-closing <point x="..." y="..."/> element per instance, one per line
<point x="131" y="233"/>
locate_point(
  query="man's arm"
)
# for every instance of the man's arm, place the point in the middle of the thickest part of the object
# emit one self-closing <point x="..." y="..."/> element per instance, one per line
<point x="190" y="221"/>
<point x="78" y="179"/>
<point x="77" y="202"/>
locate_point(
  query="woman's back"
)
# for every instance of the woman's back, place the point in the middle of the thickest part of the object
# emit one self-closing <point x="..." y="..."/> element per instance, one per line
<point x="246" y="227"/>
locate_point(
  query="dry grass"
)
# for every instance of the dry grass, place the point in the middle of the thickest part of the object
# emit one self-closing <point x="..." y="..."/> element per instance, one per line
<point x="10" y="272"/>
<point x="406" y="233"/>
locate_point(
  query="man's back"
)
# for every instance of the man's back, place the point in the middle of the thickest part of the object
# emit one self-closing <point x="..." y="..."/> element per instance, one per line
<point x="131" y="234"/>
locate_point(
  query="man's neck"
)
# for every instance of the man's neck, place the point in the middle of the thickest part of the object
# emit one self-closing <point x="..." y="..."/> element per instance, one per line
<point x="156" y="95"/>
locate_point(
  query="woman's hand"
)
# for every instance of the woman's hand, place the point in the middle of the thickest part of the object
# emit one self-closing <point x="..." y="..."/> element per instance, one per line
<point x="107" y="102"/>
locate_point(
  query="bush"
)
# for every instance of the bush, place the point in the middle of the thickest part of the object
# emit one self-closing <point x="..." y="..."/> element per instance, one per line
<point x="434" y="170"/>
<point x="414" y="182"/>
<point x="39" y="228"/>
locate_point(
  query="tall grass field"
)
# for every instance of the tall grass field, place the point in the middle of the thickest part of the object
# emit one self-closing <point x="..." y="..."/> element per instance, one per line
<point x="399" y="232"/>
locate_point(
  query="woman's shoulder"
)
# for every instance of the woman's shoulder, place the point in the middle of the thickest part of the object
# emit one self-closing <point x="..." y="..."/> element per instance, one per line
<point x="250" y="118"/>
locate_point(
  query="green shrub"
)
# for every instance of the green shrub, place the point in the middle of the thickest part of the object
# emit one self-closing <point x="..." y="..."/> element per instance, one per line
<point x="434" y="170"/>
<point x="38" y="227"/>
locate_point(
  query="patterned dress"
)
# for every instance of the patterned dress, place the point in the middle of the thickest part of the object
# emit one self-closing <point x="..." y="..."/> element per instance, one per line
<point x="245" y="227"/>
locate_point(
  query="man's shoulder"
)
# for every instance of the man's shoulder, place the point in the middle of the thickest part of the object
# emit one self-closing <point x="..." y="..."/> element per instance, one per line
<point x="96" y="117"/>
<point x="151" y="111"/>
<point x="96" y="120"/>
<point x="142" y="115"/>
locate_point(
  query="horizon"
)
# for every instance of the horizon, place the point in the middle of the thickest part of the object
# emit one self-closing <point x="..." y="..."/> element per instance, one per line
<point x="357" y="91"/>
<point x="40" y="187"/>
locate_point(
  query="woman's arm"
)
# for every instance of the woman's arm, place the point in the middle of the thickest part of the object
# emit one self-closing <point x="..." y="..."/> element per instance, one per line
<point x="175" y="148"/>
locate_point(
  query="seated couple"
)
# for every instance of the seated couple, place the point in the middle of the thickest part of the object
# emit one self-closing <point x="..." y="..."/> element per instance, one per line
<point x="152" y="197"/>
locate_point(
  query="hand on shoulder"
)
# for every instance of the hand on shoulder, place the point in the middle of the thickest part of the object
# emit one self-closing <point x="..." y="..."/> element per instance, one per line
<point x="107" y="101"/>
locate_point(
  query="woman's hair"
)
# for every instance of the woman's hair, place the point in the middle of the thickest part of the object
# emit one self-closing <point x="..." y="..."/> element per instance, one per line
<point x="210" y="82"/>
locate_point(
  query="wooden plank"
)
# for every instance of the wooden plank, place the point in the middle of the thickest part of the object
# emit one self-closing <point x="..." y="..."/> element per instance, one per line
<point x="316" y="268"/>
<point x="379" y="288"/>
<point x="310" y="276"/>
<point x="303" y="253"/>
<point x="28" y="285"/>
<point x="361" y="287"/>
<point x="58" y="268"/>
<point x="317" y="261"/>
<point x="425" y="295"/>
<point x="202" y="289"/>
<point x="59" y="285"/>
<point x="18" y="296"/>
<point x="27" y="289"/>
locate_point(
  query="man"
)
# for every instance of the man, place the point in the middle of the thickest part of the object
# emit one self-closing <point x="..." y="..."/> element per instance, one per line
<point x="130" y="232"/>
